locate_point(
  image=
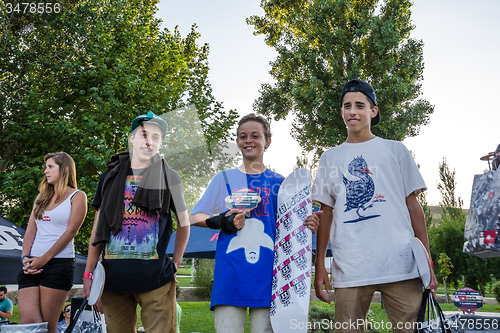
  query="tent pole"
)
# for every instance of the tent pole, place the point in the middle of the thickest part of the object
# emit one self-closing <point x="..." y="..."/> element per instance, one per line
<point x="192" y="270"/>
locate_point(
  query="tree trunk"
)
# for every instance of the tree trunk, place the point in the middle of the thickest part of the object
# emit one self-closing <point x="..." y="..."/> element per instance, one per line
<point x="446" y="291"/>
<point x="5" y="158"/>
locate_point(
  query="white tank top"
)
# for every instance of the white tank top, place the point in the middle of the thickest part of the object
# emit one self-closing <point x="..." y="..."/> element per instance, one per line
<point x="51" y="227"/>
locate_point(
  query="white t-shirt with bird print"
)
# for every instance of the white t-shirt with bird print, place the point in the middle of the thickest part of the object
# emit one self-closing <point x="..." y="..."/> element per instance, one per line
<point x="367" y="184"/>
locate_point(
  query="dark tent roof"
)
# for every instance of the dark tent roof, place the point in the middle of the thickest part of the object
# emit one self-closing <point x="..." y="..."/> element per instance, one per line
<point x="203" y="242"/>
<point x="11" y="245"/>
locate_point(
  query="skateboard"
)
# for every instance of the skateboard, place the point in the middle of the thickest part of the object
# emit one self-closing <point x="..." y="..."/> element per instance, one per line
<point x="291" y="284"/>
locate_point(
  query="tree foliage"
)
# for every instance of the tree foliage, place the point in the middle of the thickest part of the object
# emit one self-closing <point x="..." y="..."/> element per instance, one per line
<point x="451" y="204"/>
<point x="73" y="81"/>
<point x="445" y="266"/>
<point x="321" y="44"/>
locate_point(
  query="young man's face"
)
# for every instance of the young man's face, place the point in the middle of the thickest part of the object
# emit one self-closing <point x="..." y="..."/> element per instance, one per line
<point x="146" y="140"/>
<point x="251" y="140"/>
<point x="356" y="111"/>
<point x="3" y="295"/>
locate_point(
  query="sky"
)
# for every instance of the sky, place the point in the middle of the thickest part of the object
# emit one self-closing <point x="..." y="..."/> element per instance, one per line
<point x="461" y="79"/>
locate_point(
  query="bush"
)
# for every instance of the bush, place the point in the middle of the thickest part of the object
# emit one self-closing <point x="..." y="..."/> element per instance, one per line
<point x="177" y="290"/>
<point x="204" y="277"/>
<point x="496" y="291"/>
<point x="318" y="313"/>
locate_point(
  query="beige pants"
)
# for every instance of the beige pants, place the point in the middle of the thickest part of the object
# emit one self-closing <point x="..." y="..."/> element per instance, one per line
<point x="232" y="319"/>
<point x="158" y="310"/>
<point x="402" y="302"/>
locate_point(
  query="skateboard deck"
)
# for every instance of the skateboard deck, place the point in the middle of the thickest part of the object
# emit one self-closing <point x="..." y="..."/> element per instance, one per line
<point x="291" y="284"/>
<point x="423" y="261"/>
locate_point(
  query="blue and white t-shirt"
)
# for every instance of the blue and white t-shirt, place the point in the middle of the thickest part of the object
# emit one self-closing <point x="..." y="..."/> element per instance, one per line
<point x="243" y="259"/>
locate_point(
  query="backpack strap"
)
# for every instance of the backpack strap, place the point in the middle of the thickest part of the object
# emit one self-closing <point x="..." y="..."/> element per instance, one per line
<point x="227" y="182"/>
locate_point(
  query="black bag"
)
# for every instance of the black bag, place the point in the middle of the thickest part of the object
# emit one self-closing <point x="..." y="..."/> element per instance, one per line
<point x="436" y="321"/>
<point x="86" y="321"/>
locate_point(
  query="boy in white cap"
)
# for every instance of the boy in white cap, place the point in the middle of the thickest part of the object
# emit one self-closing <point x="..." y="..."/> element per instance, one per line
<point x="132" y="228"/>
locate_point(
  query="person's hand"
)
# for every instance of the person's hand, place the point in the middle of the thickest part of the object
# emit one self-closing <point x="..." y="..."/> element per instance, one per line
<point x="87" y="285"/>
<point x="28" y="269"/>
<point x="239" y="219"/>
<point x="320" y="279"/>
<point x="26" y="261"/>
<point x="36" y="263"/>
<point x="312" y="221"/>
<point x="434" y="284"/>
<point x="176" y="268"/>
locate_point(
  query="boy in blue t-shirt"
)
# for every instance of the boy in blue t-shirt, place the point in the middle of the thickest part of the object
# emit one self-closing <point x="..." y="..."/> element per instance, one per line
<point x="244" y="255"/>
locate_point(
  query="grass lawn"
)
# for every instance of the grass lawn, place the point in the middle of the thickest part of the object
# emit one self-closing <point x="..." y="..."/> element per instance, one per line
<point x="185" y="282"/>
<point x="197" y="317"/>
<point x="184" y="270"/>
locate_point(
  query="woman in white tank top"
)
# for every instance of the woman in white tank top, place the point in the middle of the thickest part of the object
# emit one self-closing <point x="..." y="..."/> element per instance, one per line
<point x="48" y="251"/>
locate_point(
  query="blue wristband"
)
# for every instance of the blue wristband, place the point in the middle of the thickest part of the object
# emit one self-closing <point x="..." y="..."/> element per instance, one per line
<point x="23" y="258"/>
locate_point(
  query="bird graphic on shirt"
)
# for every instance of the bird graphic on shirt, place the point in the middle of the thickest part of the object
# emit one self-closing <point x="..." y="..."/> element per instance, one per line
<point x="358" y="192"/>
<point x="251" y="237"/>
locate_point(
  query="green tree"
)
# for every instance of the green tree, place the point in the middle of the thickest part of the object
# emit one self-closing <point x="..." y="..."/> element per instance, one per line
<point x="422" y="199"/>
<point x="321" y="44"/>
<point x="445" y="267"/>
<point x="451" y="204"/>
<point x="74" y="80"/>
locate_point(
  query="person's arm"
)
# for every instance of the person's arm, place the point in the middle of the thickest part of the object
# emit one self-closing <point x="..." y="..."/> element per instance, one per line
<point x="92" y="257"/>
<point x="6" y="314"/>
<point x="29" y="238"/>
<point x="181" y="238"/>
<point x="78" y="212"/>
<point x="199" y="219"/>
<point x="420" y="230"/>
<point x="323" y="236"/>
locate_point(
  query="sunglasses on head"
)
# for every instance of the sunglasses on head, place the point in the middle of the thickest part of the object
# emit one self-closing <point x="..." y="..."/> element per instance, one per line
<point x="67" y="310"/>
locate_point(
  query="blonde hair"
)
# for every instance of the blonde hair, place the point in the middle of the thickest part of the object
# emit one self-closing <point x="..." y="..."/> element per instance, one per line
<point x="67" y="178"/>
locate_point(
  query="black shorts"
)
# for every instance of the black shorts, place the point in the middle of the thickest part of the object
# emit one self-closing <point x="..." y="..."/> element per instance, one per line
<point x="57" y="273"/>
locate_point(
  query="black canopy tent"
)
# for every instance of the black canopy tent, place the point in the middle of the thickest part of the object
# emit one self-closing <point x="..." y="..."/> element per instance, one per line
<point x="11" y="244"/>
<point x="203" y="242"/>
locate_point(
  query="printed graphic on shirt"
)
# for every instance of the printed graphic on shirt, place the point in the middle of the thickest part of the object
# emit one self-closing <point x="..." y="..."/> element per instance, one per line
<point x="138" y="238"/>
<point x="360" y="189"/>
<point x="251" y="237"/>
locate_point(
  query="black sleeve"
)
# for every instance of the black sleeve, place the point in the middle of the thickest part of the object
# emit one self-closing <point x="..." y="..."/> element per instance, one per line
<point x="96" y="203"/>
<point x="177" y="202"/>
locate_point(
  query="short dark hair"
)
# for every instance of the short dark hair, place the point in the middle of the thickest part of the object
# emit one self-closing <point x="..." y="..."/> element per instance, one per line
<point x="259" y="119"/>
<point x="4" y="289"/>
<point x="372" y="104"/>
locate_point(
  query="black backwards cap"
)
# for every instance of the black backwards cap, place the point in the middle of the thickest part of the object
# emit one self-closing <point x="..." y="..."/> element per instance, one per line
<point x="365" y="88"/>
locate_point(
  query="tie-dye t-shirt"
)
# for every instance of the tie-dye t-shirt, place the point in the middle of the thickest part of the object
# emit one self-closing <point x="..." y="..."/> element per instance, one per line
<point x="138" y="238"/>
<point x="135" y="259"/>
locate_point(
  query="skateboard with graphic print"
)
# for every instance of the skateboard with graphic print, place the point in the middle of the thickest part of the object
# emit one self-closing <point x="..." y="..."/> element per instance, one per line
<point x="291" y="284"/>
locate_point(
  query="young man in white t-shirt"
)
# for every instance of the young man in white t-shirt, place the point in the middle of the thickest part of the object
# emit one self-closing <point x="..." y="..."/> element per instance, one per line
<point x="368" y="188"/>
